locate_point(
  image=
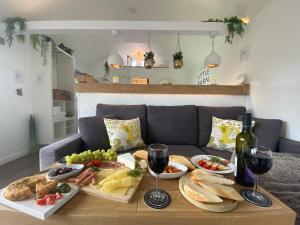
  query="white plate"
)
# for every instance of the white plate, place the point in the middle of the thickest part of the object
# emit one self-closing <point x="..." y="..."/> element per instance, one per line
<point x="30" y="207"/>
<point x="195" y="159"/>
<point x="171" y="175"/>
<point x="76" y="169"/>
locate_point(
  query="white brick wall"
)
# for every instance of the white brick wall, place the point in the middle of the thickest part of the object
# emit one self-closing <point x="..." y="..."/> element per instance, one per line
<point x="87" y="101"/>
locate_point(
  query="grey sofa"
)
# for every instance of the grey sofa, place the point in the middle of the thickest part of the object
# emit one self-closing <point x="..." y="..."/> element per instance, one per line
<point x="185" y="129"/>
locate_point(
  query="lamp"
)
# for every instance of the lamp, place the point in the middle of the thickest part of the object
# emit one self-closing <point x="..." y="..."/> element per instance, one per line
<point x="213" y="60"/>
<point x="114" y="60"/>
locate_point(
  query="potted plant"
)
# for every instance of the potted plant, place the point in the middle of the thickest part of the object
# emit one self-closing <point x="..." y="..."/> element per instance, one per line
<point x="149" y="60"/>
<point x="177" y="60"/>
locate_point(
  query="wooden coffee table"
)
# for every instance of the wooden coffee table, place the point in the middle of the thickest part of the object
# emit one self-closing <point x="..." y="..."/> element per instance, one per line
<point x="84" y="210"/>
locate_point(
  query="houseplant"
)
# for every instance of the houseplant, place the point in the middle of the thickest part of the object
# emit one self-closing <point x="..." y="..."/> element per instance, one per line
<point x="235" y="26"/>
<point x="15" y="27"/>
<point x="177" y="60"/>
<point x="149" y="60"/>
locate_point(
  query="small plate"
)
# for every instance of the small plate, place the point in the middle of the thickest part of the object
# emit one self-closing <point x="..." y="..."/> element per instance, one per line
<point x="76" y="169"/>
<point x="195" y="159"/>
<point x="171" y="175"/>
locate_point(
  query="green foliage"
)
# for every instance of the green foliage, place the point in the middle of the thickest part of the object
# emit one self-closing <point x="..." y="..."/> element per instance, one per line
<point x="235" y="26"/>
<point x="15" y="27"/>
<point x="178" y="56"/>
<point x="149" y="55"/>
<point x="35" y="40"/>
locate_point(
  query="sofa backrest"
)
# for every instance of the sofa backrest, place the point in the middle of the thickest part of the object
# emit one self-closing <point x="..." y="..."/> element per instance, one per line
<point x="126" y="112"/>
<point x="205" y="114"/>
<point x="172" y="125"/>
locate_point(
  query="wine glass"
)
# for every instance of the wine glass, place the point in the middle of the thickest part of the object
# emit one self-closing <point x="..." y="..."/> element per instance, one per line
<point x="158" y="160"/>
<point x="259" y="161"/>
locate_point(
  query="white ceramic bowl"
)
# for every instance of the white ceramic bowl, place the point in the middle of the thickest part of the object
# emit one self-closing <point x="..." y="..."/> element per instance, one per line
<point x="195" y="159"/>
<point x="171" y="175"/>
<point x="76" y="169"/>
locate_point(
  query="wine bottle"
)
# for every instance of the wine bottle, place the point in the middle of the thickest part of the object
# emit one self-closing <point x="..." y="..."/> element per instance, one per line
<point x="246" y="139"/>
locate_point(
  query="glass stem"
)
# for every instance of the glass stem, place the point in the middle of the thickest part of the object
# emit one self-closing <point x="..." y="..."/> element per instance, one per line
<point x="156" y="185"/>
<point x="255" y="184"/>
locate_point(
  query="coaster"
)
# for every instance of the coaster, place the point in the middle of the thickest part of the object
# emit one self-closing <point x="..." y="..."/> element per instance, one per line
<point x="159" y="201"/>
<point x="259" y="199"/>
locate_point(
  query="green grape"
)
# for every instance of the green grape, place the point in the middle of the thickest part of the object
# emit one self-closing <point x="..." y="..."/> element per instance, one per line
<point x="103" y="151"/>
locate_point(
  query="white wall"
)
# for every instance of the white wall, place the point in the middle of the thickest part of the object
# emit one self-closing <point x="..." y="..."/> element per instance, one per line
<point x="273" y="67"/>
<point x="14" y="109"/>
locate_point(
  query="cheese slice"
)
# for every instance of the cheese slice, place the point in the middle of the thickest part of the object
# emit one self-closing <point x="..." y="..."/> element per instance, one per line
<point x="127" y="159"/>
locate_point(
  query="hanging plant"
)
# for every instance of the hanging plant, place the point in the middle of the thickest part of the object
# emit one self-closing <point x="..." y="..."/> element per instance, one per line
<point x="177" y="56"/>
<point x="41" y="41"/>
<point x="149" y="59"/>
<point x="15" y="27"/>
<point x="235" y="26"/>
<point x="149" y="55"/>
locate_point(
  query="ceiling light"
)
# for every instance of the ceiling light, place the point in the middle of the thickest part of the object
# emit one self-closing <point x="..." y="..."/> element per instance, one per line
<point x="115" y="60"/>
<point x="213" y="60"/>
<point x="245" y="20"/>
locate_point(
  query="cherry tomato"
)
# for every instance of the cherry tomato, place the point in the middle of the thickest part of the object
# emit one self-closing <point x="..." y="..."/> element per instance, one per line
<point x="202" y="162"/>
<point x="58" y="195"/>
<point x="96" y="162"/>
<point x="207" y="166"/>
<point x="214" y="167"/>
<point x="50" y="201"/>
<point x="41" y="201"/>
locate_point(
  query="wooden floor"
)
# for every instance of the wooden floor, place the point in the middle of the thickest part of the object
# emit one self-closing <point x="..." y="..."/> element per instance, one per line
<point x="18" y="168"/>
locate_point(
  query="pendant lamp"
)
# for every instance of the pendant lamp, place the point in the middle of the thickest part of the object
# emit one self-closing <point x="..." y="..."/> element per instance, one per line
<point x="114" y="60"/>
<point x="213" y="60"/>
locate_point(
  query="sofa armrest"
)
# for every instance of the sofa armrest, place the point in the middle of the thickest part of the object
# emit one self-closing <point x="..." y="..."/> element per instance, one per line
<point x="288" y="146"/>
<point x="55" y="151"/>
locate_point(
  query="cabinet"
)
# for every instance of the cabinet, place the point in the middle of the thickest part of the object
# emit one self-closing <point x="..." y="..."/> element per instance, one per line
<point x="56" y="73"/>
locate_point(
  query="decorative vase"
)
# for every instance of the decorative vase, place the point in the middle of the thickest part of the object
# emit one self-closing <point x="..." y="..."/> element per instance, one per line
<point x="148" y="64"/>
<point x="178" y="63"/>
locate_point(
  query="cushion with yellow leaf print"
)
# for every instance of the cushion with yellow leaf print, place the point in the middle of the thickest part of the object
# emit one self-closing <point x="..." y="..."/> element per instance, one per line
<point x="224" y="132"/>
<point x="124" y="134"/>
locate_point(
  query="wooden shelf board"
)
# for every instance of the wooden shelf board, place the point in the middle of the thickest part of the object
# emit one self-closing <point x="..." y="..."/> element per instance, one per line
<point x="242" y="89"/>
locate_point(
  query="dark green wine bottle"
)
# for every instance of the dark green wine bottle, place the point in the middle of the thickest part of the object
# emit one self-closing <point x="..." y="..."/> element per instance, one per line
<point x="246" y="139"/>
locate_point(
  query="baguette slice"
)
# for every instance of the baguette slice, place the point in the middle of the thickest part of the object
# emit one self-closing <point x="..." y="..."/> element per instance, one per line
<point x="199" y="194"/>
<point x="200" y="172"/>
<point x="221" y="190"/>
<point x="206" y="178"/>
<point x="182" y="160"/>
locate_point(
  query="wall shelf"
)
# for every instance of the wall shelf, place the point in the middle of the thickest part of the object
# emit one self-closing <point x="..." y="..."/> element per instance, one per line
<point x="242" y="89"/>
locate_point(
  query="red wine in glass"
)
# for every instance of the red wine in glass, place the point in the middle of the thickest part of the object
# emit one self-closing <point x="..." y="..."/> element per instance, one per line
<point x="259" y="161"/>
<point x="158" y="160"/>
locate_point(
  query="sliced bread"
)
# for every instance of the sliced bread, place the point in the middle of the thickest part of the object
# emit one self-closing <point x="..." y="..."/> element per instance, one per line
<point x="199" y="194"/>
<point x="221" y="190"/>
<point x="207" y="178"/>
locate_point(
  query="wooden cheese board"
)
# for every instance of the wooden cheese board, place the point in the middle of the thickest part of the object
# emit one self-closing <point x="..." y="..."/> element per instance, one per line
<point x="225" y="206"/>
<point x="121" y="195"/>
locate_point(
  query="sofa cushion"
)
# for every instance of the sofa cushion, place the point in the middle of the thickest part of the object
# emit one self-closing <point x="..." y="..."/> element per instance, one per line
<point x="185" y="150"/>
<point x="172" y="124"/>
<point x="267" y="131"/>
<point x="93" y="132"/>
<point x="126" y="112"/>
<point x="288" y="146"/>
<point x="205" y="114"/>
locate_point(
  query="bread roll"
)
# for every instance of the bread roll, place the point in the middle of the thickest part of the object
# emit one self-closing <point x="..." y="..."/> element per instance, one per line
<point x="182" y="160"/>
<point x="200" y="194"/>
<point x="141" y="154"/>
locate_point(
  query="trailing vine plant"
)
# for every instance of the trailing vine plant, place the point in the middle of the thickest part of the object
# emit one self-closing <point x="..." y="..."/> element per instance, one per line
<point x="15" y="28"/>
<point x="235" y="26"/>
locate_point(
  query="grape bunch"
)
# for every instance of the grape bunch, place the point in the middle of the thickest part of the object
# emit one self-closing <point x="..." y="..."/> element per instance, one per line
<point x="109" y="155"/>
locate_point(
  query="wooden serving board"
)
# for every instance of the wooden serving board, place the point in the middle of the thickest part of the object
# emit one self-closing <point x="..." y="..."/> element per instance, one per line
<point x="117" y="195"/>
<point x="225" y="206"/>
